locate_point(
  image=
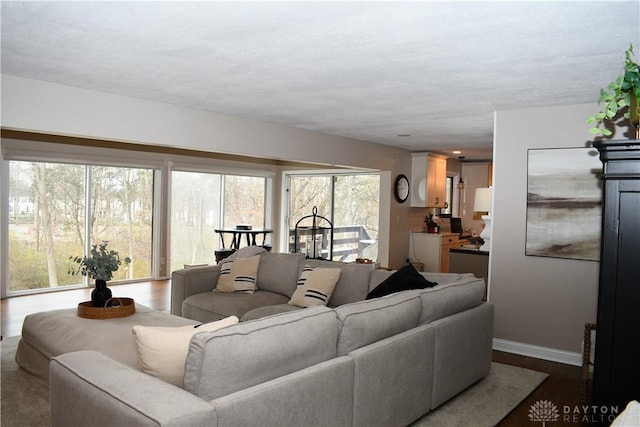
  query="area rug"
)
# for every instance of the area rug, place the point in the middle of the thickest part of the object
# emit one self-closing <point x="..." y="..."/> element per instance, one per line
<point x="25" y="401"/>
<point x="488" y="401"/>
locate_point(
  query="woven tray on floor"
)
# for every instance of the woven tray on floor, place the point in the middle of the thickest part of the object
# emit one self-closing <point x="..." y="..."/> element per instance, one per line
<point x="126" y="308"/>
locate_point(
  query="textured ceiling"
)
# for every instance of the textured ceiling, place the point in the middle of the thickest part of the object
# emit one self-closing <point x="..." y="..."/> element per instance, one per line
<point x="367" y="70"/>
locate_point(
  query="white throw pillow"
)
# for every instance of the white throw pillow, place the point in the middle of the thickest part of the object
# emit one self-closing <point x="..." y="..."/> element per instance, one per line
<point x="630" y="417"/>
<point x="238" y="275"/>
<point x="162" y="351"/>
<point x="315" y="286"/>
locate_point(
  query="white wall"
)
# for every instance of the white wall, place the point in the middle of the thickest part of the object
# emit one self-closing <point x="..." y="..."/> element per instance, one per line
<point x="39" y="106"/>
<point x="43" y="107"/>
<point x="541" y="304"/>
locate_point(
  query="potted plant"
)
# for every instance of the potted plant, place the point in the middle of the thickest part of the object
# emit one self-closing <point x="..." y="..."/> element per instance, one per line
<point x="431" y="224"/>
<point x="621" y="93"/>
<point x="100" y="266"/>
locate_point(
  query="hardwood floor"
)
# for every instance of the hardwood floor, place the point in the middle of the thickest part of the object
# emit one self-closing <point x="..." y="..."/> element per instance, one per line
<point x="562" y="388"/>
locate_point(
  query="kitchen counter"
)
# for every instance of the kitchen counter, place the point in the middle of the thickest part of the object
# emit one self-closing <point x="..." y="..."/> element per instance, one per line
<point x="468" y="260"/>
<point x="432" y="249"/>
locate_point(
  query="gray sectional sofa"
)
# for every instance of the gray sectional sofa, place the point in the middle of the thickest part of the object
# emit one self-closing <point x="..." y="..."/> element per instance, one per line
<point x="379" y="362"/>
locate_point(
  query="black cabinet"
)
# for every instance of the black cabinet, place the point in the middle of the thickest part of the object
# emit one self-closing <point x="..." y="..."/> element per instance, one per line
<point x="616" y="379"/>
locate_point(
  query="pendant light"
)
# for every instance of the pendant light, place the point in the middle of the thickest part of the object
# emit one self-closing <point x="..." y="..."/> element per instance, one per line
<point x="461" y="186"/>
<point x="461" y="183"/>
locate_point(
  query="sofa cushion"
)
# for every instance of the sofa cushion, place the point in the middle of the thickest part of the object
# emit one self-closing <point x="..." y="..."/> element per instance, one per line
<point x="353" y="284"/>
<point x="162" y="350"/>
<point x="462" y="351"/>
<point x="315" y="286"/>
<point x="404" y="279"/>
<point x="366" y="322"/>
<point x="238" y="275"/>
<point x="393" y="379"/>
<point x="268" y="310"/>
<point x="279" y="272"/>
<point x="446" y="278"/>
<point x="250" y="353"/>
<point x="209" y="306"/>
<point x="451" y="298"/>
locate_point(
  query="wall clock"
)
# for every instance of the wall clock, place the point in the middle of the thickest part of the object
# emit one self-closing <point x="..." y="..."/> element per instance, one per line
<point x="401" y="188"/>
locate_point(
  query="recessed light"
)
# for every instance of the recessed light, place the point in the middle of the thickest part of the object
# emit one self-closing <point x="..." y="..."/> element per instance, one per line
<point x="457" y="152"/>
<point x="404" y="135"/>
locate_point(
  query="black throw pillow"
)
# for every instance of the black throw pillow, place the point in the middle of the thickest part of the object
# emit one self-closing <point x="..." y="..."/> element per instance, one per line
<point x="402" y="280"/>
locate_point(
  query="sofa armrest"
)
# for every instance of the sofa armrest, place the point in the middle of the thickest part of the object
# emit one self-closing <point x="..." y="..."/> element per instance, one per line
<point x="191" y="281"/>
<point x="88" y="388"/>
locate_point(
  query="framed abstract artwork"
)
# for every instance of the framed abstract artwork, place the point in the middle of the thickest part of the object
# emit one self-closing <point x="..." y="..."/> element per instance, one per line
<point x="564" y="203"/>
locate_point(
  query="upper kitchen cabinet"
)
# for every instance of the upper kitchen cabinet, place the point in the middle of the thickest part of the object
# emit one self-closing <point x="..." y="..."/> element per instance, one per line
<point x="428" y="179"/>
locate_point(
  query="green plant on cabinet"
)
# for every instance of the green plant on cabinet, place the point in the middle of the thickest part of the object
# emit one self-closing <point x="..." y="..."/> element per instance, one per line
<point x="621" y="93"/>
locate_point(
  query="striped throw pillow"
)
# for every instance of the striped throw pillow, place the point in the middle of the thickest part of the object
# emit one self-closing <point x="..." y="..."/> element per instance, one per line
<point x="238" y="275"/>
<point x="315" y="286"/>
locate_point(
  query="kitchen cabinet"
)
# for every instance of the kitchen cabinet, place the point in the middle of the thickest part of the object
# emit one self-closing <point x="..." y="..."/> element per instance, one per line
<point x="428" y="180"/>
<point x="433" y="249"/>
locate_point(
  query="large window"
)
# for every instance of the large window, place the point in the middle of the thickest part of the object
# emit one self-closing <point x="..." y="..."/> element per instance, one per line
<point x="159" y="209"/>
<point x="349" y="201"/>
<point x="202" y="202"/>
<point x="57" y="210"/>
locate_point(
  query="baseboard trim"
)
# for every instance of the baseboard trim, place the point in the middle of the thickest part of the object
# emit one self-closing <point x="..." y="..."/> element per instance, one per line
<point x="545" y="353"/>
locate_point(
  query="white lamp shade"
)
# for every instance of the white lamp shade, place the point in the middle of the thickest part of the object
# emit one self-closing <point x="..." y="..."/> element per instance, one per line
<point x="482" y="200"/>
